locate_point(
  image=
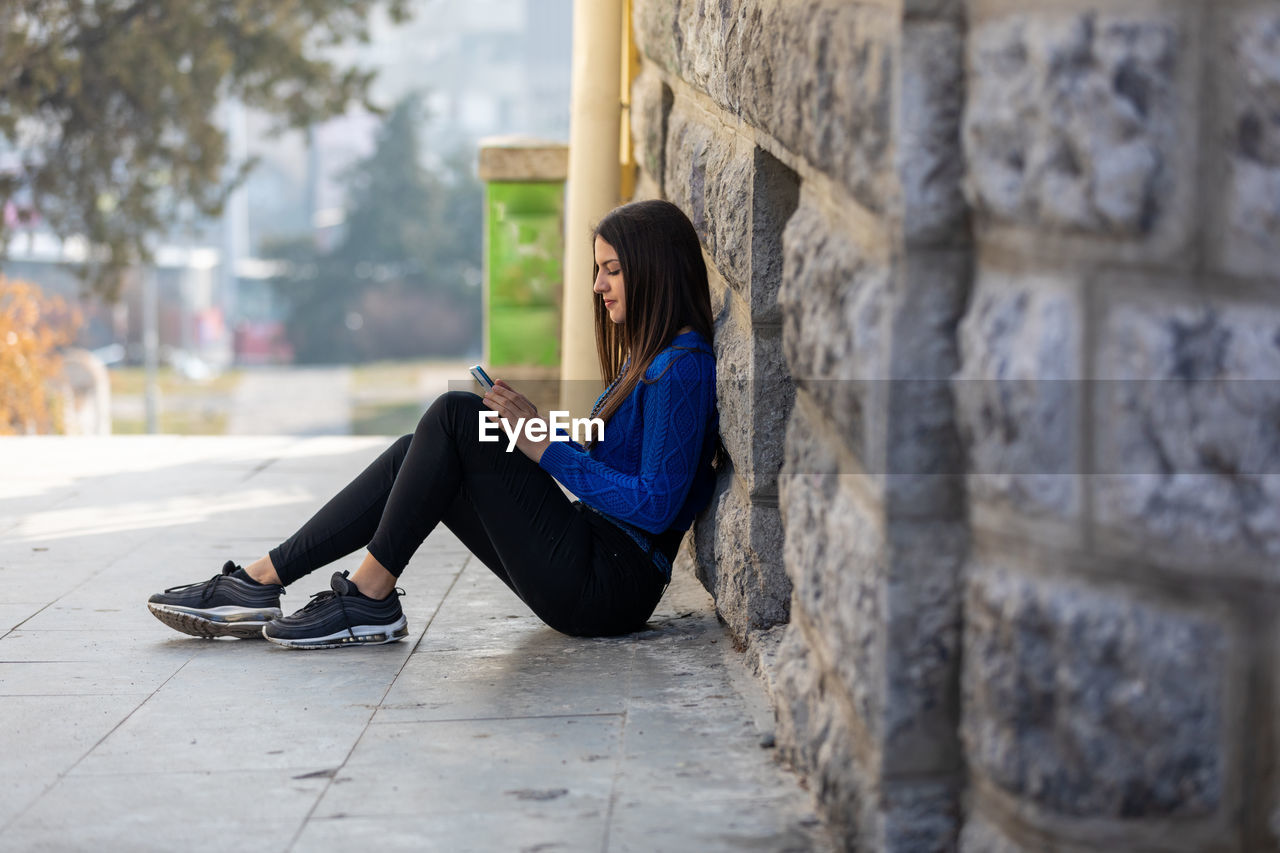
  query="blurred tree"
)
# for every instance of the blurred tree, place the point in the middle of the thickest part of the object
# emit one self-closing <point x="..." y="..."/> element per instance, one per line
<point x="110" y="105"/>
<point x="32" y="328"/>
<point x="402" y="280"/>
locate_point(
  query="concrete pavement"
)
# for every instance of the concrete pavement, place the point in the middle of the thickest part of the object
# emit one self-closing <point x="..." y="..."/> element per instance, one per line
<point x="485" y="731"/>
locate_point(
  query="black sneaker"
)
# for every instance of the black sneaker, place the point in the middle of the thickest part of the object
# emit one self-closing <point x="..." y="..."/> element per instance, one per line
<point x="341" y="616"/>
<point x="230" y="604"/>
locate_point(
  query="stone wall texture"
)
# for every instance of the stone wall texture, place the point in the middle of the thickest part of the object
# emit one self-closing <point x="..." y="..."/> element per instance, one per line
<point x="997" y="294"/>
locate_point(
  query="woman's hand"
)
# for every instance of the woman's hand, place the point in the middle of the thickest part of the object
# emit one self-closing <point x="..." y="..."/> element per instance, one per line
<point x="512" y="407"/>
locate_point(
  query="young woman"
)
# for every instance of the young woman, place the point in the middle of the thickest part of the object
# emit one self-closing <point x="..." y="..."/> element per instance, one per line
<point x="592" y="567"/>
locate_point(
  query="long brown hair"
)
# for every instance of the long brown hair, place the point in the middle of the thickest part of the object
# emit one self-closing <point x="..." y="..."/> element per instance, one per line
<point x="665" y="281"/>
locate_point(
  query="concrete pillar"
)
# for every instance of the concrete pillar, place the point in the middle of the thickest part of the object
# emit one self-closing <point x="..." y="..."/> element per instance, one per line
<point x="594" y="185"/>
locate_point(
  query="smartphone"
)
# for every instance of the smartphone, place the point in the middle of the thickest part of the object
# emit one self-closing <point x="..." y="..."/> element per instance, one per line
<point x="483" y="378"/>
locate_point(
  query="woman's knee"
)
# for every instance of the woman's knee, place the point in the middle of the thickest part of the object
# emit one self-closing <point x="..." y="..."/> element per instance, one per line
<point x="451" y="411"/>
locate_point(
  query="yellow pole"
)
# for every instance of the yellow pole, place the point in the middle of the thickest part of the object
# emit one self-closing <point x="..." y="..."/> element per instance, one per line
<point x="630" y="68"/>
<point x="594" y="186"/>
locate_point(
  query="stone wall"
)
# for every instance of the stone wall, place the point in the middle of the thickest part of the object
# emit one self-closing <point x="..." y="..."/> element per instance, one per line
<point x="1002" y="517"/>
<point x="1119" y="405"/>
<point x="828" y="196"/>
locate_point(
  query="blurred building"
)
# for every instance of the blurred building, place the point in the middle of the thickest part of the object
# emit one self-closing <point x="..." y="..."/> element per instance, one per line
<point x="192" y="324"/>
<point x="482" y="68"/>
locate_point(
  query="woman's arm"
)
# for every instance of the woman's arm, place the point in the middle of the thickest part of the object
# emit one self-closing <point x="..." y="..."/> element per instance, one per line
<point x="677" y="414"/>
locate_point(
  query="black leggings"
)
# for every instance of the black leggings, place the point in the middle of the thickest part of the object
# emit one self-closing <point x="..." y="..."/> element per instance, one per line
<point x="577" y="571"/>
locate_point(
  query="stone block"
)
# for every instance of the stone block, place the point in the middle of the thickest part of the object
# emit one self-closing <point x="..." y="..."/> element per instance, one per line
<point x="1187" y="427"/>
<point x="817" y="76"/>
<point x="750" y="585"/>
<point x="924" y="473"/>
<point x="1250" y="85"/>
<point x="834" y="304"/>
<point x="980" y="836"/>
<point x="887" y="609"/>
<point x="754" y="396"/>
<point x="700" y="548"/>
<point x="1073" y="121"/>
<point x="705" y="30"/>
<point x="762" y="657"/>
<point x="1089" y="703"/>
<point x="863" y="810"/>
<point x="929" y="295"/>
<point x="773" y="396"/>
<point x="918" y="815"/>
<point x="814" y="737"/>
<point x="751" y="61"/>
<point x="925" y="461"/>
<point x="734" y="346"/>
<point x="709" y="175"/>
<point x="688" y="147"/>
<point x="775" y="195"/>
<point x="949" y="10"/>
<point x="734" y="28"/>
<point x="922" y="614"/>
<point x="930" y="163"/>
<point x="721" y="296"/>
<point x="730" y="176"/>
<point x="739" y="199"/>
<point x="834" y="552"/>
<point x="651" y="101"/>
<point x="657" y="35"/>
<point x="831" y="99"/>
<point x="1018" y="396"/>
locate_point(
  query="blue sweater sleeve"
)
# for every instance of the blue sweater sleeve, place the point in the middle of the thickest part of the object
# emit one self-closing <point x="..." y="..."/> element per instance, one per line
<point x="677" y="412"/>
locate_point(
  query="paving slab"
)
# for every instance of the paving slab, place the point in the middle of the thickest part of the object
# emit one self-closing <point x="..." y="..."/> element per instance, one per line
<point x="13" y="615"/>
<point x="83" y="678"/>
<point x="547" y="764"/>
<point x="488" y="831"/>
<point x="45" y="736"/>
<point x="165" y="812"/>
<point x="710" y="826"/>
<point x="484" y="731"/>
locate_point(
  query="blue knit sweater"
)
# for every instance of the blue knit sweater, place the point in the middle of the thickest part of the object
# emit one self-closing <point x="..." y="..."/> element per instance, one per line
<point x="653" y="468"/>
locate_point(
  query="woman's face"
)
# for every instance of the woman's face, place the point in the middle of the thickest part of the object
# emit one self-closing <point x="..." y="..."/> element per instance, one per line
<point x="609" y="281"/>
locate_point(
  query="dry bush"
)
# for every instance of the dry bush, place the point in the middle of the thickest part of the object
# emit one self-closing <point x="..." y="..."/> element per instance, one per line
<point x="32" y="328"/>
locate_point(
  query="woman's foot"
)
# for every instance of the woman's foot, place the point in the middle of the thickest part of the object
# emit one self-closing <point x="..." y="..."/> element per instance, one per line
<point x="341" y="616"/>
<point x="230" y="604"/>
<point x="263" y="570"/>
<point x="373" y="579"/>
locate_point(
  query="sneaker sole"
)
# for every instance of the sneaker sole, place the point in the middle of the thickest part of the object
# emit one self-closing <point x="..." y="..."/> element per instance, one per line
<point x="364" y="635"/>
<point x="225" y="622"/>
